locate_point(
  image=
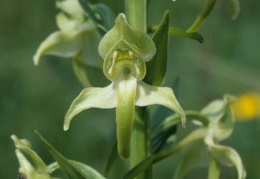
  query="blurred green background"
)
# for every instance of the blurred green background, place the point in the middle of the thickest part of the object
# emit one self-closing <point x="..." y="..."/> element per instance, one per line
<point x="37" y="98"/>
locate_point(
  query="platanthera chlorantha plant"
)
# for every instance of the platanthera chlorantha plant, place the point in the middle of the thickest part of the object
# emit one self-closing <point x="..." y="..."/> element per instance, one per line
<point x="135" y="63"/>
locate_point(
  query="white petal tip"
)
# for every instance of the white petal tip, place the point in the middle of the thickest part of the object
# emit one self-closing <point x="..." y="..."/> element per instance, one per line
<point x="65" y="127"/>
<point x="35" y="60"/>
<point x="13" y="137"/>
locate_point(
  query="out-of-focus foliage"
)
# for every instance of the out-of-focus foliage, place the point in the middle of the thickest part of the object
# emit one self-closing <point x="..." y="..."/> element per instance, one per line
<point x="38" y="97"/>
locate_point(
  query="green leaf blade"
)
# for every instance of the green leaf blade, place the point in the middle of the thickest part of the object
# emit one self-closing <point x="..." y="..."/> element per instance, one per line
<point x="68" y="169"/>
<point x="156" y="68"/>
<point x="106" y="15"/>
<point x="86" y="6"/>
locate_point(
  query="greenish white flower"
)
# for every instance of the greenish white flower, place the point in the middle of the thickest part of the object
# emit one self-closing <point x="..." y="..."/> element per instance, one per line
<point x="37" y="171"/>
<point x="77" y="37"/>
<point x="220" y="127"/>
<point x="125" y="51"/>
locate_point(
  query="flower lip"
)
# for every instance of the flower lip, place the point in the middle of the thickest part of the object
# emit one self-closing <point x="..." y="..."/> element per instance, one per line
<point x="124" y="62"/>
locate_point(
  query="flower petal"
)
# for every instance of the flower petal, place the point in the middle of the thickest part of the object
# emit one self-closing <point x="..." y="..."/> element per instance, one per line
<point x="221" y="117"/>
<point x="60" y="43"/>
<point x="149" y="95"/>
<point x="226" y="156"/>
<point x="126" y="91"/>
<point x="123" y="36"/>
<point x="91" y="98"/>
<point x="64" y="22"/>
<point x="72" y="8"/>
<point x="26" y="167"/>
<point x="39" y="170"/>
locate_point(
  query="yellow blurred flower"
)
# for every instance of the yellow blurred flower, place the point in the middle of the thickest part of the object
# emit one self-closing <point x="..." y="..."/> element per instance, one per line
<point x="247" y="106"/>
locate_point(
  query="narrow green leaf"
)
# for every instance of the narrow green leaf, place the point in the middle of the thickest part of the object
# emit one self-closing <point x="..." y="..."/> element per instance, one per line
<point x="156" y="68"/>
<point x="90" y="13"/>
<point x="203" y="15"/>
<point x="66" y="166"/>
<point x="86" y="171"/>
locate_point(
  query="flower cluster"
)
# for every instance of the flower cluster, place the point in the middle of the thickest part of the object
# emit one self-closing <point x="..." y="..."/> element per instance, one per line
<point x="221" y="123"/>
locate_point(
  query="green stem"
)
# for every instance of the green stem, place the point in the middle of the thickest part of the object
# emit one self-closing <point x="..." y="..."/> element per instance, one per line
<point x="204" y="14"/>
<point x="79" y="68"/>
<point x="214" y="170"/>
<point x="173" y="31"/>
<point x="198" y="134"/>
<point x="140" y="145"/>
<point x="136" y="13"/>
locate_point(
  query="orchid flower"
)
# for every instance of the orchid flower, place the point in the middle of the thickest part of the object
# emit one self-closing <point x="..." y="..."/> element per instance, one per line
<point x="77" y="38"/>
<point x="125" y="51"/>
<point x="27" y="170"/>
<point x="220" y="127"/>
